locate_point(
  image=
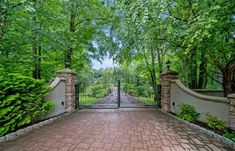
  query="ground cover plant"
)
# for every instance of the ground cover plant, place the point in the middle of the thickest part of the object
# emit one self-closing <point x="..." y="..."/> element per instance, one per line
<point x="213" y="123"/>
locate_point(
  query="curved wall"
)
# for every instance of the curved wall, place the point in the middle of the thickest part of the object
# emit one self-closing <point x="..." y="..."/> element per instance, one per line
<point x="57" y="95"/>
<point x="219" y="93"/>
<point x="216" y="106"/>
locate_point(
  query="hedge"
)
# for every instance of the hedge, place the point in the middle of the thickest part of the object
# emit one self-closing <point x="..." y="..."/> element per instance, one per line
<point x="21" y="101"/>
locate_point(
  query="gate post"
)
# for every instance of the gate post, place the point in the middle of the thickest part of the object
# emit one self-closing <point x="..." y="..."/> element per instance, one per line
<point x="166" y="79"/>
<point x="159" y="96"/>
<point x="77" y="91"/>
<point x="70" y="94"/>
<point x="231" y="98"/>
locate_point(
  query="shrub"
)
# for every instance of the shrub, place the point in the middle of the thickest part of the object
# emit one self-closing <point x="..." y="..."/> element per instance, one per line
<point x="145" y="90"/>
<point x="21" y="101"/>
<point x="97" y="91"/>
<point x="215" y="123"/>
<point x="188" y="112"/>
<point x="130" y="89"/>
<point x="230" y="136"/>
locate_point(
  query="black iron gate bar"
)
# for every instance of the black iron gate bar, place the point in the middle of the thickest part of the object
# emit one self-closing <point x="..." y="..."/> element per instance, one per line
<point x="77" y="96"/>
<point x="81" y="94"/>
<point x="119" y="94"/>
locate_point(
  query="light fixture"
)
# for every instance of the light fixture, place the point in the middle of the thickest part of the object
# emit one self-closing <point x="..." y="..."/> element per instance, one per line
<point x="67" y="62"/>
<point x="168" y="65"/>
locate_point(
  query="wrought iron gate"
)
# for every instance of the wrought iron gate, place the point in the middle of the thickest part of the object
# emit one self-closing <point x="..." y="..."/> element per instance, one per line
<point x="98" y="96"/>
<point x="112" y="95"/>
<point x="136" y="97"/>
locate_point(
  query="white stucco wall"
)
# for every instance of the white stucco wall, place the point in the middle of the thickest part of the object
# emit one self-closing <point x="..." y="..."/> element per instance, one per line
<point x="57" y="95"/>
<point x="216" y="106"/>
<point x="219" y="93"/>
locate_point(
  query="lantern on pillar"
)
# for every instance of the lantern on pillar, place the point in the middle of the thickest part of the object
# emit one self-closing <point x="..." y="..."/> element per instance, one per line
<point x="168" y="65"/>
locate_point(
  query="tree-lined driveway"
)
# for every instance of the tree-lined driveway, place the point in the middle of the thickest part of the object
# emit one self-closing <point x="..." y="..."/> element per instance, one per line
<point x="115" y="130"/>
<point x="125" y="98"/>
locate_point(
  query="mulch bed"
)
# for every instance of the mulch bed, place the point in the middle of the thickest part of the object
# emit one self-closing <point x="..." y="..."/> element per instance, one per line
<point x="202" y="124"/>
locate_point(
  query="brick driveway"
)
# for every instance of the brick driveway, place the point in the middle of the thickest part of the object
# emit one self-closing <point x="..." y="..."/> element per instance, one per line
<point x="119" y="130"/>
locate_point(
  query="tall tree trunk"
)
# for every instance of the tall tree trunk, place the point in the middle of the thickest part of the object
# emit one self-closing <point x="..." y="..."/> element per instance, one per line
<point x="193" y="69"/>
<point x="184" y="70"/>
<point x="151" y="69"/>
<point x="227" y="82"/>
<point x="233" y="74"/>
<point x="137" y="81"/>
<point x="205" y="82"/>
<point x="154" y="84"/>
<point x="3" y="24"/>
<point x="39" y="62"/>
<point x="159" y="61"/>
<point x="233" y="81"/>
<point x="34" y="47"/>
<point x="202" y="71"/>
<point x="228" y="73"/>
<point x="153" y="75"/>
<point x="34" y="53"/>
<point x="72" y="28"/>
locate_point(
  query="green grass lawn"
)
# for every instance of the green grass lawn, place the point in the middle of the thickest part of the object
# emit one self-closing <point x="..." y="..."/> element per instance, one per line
<point x="148" y="101"/>
<point x="87" y="100"/>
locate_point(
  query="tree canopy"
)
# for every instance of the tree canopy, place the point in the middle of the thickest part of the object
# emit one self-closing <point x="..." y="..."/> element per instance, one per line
<point x="38" y="37"/>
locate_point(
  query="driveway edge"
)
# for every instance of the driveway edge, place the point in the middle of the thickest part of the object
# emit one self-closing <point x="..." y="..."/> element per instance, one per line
<point x="205" y="131"/>
<point x="26" y="130"/>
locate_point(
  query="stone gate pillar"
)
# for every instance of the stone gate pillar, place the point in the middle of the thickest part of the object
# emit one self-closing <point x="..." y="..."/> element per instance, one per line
<point x="231" y="98"/>
<point x="70" y="94"/>
<point x="166" y="79"/>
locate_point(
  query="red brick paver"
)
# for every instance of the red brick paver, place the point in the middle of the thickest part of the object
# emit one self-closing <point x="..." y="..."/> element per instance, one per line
<point x="115" y="130"/>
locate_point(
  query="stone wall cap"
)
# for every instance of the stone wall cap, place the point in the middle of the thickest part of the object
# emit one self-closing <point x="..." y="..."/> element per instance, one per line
<point x="207" y="90"/>
<point x="67" y="70"/>
<point x="170" y="72"/>
<point x="198" y="95"/>
<point x="55" y="82"/>
<point x="231" y="95"/>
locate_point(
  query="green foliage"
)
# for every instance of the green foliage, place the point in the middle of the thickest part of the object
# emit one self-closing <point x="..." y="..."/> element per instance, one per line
<point x="230" y="136"/>
<point x="130" y="88"/>
<point x="86" y="100"/>
<point x="196" y="35"/>
<point x="97" y="91"/>
<point x="145" y="90"/>
<point x="148" y="101"/>
<point x="215" y="123"/>
<point x="21" y="101"/>
<point x="48" y="30"/>
<point x="188" y="113"/>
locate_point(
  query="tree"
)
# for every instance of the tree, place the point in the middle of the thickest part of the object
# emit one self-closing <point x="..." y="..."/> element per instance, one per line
<point x="204" y="29"/>
<point x="198" y="36"/>
<point x="138" y="35"/>
<point x="42" y="47"/>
